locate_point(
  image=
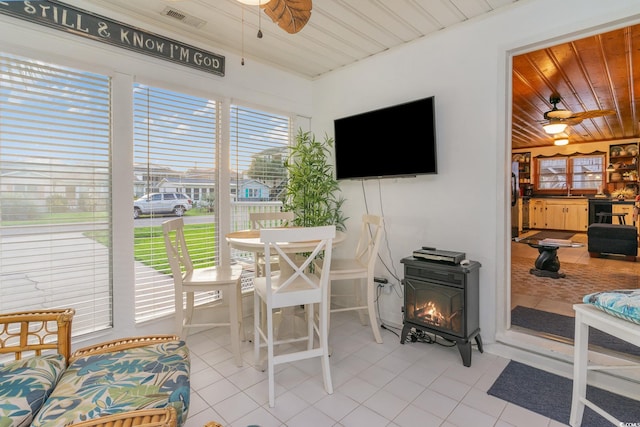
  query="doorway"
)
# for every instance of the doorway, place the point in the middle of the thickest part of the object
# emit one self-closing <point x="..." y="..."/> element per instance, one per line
<point x="535" y="76"/>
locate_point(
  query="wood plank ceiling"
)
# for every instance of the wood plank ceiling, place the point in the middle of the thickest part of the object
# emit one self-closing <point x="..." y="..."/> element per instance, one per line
<point x="594" y="73"/>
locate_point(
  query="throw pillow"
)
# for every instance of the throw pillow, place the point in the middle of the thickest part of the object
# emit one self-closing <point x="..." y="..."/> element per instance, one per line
<point x="623" y="303"/>
<point x="25" y="385"/>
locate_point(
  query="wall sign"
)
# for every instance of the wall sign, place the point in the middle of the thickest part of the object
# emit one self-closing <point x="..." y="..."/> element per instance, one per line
<point x="86" y="24"/>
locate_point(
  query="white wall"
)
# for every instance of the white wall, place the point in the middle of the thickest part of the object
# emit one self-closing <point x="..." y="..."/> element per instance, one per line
<point x="463" y="207"/>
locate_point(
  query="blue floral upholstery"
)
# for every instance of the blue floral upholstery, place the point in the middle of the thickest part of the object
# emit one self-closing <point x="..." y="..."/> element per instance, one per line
<point x="623" y="303"/>
<point x="105" y="384"/>
<point x="25" y="385"/>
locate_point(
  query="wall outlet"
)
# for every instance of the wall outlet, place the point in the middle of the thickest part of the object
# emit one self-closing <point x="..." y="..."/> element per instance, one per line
<point x="386" y="287"/>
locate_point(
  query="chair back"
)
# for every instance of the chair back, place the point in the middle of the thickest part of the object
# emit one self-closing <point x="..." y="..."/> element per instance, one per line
<point x="369" y="241"/>
<point x="298" y="281"/>
<point x="177" y="252"/>
<point x="260" y="220"/>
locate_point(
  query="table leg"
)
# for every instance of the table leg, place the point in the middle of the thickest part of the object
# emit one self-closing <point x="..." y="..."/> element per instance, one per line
<point x="547" y="264"/>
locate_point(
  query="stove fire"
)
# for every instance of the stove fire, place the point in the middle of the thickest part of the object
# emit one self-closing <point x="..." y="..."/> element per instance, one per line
<point x="430" y="314"/>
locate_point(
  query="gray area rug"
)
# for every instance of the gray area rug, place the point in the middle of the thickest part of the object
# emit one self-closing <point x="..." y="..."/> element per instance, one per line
<point x="564" y="326"/>
<point x="550" y="395"/>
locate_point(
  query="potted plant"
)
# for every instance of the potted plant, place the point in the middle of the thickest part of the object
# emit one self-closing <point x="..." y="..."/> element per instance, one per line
<point x="311" y="190"/>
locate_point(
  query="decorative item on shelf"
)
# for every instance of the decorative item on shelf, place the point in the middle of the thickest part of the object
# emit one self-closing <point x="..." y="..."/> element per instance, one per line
<point x="616" y="151"/>
<point x="623" y="193"/>
<point x="631" y="150"/>
<point x="615" y="177"/>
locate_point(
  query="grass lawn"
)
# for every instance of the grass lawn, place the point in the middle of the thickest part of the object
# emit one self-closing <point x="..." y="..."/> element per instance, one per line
<point x="149" y="246"/>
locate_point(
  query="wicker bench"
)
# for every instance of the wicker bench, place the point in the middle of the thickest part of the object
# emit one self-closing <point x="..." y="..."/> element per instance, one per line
<point x="128" y="382"/>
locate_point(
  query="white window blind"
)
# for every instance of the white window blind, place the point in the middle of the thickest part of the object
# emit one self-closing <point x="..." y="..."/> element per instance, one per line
<point x="175" y="146"/>
<point x="55" y="191"/>
<point x="260" y="143"/>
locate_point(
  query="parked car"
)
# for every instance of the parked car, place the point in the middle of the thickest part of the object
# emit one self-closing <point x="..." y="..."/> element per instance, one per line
<point x="162" y="203"/>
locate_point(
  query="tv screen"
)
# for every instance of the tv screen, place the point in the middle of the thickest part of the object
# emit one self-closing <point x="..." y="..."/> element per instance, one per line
<point x="389" y="142"/>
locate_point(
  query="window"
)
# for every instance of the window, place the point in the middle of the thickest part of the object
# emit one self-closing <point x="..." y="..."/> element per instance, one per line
<point x="175" y="146"/>
<point x="578" y="173"/>
<point x="259" y="147"/>
<point x="55" y="186"/>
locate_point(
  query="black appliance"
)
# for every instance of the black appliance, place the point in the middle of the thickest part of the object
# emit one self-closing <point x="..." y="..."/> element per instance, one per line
<point x="443" y="300"/>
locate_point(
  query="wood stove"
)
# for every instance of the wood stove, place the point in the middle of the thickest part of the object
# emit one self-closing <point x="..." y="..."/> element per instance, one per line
<point x="442" y="299"/>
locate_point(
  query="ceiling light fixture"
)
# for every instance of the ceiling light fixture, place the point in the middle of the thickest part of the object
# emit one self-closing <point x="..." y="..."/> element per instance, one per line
<point x="553" y="128"/>
<point x="563" y="140"/>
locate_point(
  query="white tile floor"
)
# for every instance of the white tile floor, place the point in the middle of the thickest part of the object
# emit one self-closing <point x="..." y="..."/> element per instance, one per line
<point x="415" y="384"/>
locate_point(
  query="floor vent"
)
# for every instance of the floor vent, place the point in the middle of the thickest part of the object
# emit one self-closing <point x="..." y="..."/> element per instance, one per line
<point x="183" y="17"/>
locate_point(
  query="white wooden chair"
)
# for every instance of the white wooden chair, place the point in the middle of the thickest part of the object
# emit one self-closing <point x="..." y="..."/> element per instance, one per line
<point x="360" y="270"/>
<point x="296" y="283"/>
<point x="189" y="280"/>
<point x="261" y="220"/>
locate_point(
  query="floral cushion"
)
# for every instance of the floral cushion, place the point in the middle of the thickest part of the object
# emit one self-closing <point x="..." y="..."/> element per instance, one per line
<point x="623" y="303"/>
<point x="25" y="385"/>
<point x="105" y="384"/>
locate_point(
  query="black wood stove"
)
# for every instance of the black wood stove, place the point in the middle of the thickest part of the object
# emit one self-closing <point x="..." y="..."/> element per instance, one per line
<point x="442" y="299"/>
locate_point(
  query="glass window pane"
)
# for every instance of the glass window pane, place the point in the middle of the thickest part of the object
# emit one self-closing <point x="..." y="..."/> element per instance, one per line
<point x="260" y="143"/>
<point x="176" y="141"/>
<point x="55" y="181"/>
<point x="552" y="173"/>
<point x="587" y="172"/>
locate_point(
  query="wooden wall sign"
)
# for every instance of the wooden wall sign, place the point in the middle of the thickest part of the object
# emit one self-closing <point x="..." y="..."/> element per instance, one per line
<point x="63" y="17"/>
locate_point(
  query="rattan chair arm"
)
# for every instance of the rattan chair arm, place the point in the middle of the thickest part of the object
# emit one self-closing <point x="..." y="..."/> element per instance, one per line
<point x="122" y="344"/>
<point x="161" y="417"/>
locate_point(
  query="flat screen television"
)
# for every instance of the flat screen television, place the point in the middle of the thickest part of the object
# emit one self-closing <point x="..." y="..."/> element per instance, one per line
<point x="395" y="141"/>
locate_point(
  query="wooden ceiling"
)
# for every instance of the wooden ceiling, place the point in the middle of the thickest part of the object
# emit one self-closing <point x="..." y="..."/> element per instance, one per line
<point x="600" y="72"/>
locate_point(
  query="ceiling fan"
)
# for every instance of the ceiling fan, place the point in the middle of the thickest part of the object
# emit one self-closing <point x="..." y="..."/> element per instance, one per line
<point x="290" y="15"/>
<point x="556" y="120"/>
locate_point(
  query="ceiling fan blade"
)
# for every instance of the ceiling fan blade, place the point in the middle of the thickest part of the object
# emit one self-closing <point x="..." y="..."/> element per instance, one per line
<point x="592" y="113"/>
<point x="290" y="15"/>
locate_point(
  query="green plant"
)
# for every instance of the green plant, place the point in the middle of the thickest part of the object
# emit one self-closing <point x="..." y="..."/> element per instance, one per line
<point x="312" y="191"/>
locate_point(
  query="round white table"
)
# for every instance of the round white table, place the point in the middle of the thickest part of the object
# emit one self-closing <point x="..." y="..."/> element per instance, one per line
<point x="249" y="240"/>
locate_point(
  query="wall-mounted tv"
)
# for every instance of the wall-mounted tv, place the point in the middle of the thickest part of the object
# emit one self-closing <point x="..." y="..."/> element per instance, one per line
<point x="395" y="141"/>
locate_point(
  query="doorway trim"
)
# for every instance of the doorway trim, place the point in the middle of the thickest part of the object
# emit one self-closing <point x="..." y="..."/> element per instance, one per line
<point x="536" y="351"/>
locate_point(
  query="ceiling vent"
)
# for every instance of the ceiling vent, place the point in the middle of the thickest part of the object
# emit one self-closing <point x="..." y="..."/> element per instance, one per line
<point x="183" y="17"/>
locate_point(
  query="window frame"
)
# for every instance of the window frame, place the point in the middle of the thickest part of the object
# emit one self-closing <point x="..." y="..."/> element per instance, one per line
<point x="569" y="183"/>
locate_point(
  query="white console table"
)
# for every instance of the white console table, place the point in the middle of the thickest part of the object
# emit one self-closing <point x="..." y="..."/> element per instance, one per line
<point x="589" y="316"/>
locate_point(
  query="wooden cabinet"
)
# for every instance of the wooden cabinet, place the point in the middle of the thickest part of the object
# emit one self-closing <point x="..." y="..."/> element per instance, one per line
<point x="558" y="214"/>
<point x="577" y="216"/>
<point x="536" y="214"/>
<point x="623" y="167"/>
